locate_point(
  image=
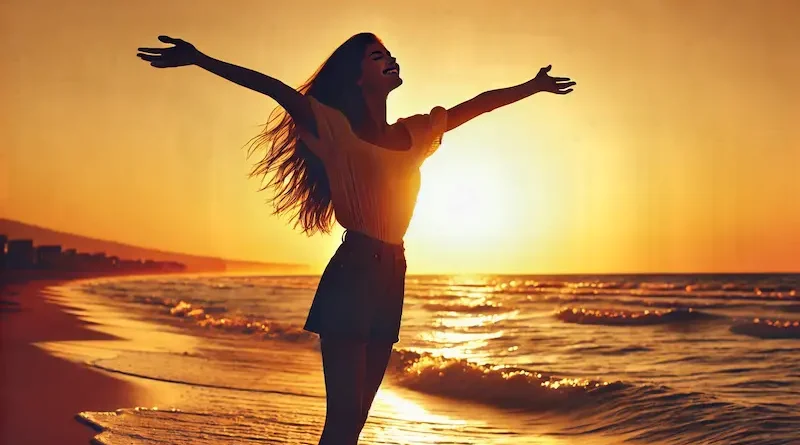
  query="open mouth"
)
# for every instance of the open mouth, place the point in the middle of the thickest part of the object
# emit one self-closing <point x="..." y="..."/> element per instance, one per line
<point x="392" y="71"/>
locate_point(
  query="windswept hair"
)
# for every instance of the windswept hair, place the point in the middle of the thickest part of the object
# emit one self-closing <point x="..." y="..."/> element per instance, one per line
<point x="298" y="177"/>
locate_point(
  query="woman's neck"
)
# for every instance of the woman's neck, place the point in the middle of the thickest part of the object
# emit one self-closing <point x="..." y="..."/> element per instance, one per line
<point x="375" y="120"/>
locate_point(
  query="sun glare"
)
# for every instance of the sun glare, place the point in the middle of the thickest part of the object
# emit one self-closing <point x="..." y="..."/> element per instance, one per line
<point x="464" y="202"/>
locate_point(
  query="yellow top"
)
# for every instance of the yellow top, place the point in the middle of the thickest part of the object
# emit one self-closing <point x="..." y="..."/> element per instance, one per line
<point x="373" y="189"/>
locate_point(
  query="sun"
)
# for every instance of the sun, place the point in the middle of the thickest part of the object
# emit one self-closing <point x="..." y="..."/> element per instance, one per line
<point x="465" y="203"/>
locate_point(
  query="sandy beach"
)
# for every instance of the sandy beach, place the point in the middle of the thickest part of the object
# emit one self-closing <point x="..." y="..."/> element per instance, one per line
<point x="41" y="392"/>
<point x="210" y="359"/>
<point x="55" y="389"/>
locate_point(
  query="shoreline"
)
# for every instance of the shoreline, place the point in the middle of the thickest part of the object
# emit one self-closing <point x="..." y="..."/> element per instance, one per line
<point x="43" y="393"/>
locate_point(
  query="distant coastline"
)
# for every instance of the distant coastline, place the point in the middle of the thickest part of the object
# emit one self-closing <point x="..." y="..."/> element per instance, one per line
<point x="100" y="256"/>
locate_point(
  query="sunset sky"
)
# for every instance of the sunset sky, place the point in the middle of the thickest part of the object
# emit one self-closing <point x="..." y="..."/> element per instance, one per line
<point x="679" y="150"/>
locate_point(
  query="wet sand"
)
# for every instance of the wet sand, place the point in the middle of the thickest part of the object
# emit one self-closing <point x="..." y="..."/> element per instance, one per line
<point x="41" y="393"/>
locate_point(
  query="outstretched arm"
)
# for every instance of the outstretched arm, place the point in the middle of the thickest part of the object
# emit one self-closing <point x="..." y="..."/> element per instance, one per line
<point x="490" y="100"/>
<point x="184" y="53"/>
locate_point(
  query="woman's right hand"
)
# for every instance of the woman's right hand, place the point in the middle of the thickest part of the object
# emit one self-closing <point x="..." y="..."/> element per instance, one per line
<point x="182" y="54"/>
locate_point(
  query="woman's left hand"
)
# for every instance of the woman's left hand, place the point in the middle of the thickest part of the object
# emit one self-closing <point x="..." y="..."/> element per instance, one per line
<point x="557" y="85"/>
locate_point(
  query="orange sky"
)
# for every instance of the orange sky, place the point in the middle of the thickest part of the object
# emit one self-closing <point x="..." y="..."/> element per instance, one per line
<point x="679" y="150"/>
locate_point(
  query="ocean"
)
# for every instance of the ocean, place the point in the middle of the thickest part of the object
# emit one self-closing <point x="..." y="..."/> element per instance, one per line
<point x="571" y="359"/>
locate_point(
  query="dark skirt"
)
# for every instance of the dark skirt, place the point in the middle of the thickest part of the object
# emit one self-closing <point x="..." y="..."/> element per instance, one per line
<point x="360" y="293"/>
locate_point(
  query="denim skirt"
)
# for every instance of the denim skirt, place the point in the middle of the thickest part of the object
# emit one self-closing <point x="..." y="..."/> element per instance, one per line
<point x="360" y="293"/>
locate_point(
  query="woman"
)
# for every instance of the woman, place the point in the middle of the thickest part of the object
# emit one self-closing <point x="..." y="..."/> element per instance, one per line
<point x="331" y="151"/>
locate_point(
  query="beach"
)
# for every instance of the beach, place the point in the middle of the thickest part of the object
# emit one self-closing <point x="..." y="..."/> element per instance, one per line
<point x="41" y="392"/>
<point x="53" y="394"/>
<point x="210" y="359"/>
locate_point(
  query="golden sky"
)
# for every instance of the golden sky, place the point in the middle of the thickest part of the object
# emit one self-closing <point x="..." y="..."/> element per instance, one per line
<point x="679" y="150"/>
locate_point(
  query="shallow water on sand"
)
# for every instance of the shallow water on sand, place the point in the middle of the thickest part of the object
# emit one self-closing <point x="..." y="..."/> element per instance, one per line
<point x="548" y="360"/>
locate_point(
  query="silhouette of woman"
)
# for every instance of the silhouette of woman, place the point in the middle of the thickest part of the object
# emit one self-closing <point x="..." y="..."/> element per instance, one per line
<point x="331" y="151"/>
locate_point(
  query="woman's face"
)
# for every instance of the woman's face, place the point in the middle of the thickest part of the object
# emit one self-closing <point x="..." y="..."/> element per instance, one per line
<point x="380" y="72"/>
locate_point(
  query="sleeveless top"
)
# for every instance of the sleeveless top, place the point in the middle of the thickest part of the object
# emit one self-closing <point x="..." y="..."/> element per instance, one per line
<point x="373" y="189"/>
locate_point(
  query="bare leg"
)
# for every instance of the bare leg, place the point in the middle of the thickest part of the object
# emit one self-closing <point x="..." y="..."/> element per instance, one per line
<point x="344" y="363"/>
<point x="377" y="357"/>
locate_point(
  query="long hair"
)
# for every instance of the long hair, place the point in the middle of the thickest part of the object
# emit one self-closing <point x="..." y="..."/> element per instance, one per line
<point x="298" y="177"/>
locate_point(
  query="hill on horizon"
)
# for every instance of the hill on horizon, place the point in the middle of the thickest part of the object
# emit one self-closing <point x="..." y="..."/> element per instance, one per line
<point x="194" y="263"/>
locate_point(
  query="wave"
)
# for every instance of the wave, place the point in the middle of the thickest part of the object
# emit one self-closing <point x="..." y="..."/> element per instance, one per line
<point x="480" y="308"/>
<point x="768" y="329"/>
<point x="205" y="313"/>
<point x="172" y="426"/>
<point x="657" y="289"/>
<point x="622" y="317"/>
<point x="217" y="317"/>
<point x="728" y="296"/>
<point x="267" y="329"/>
<point x="609" y="350"/>
<point x="645" y="413"/>
<point x="755" y="295"/>
<point x="675" y="302"/>
<point x="497" y="385"/>
<point x="760" y="384"/>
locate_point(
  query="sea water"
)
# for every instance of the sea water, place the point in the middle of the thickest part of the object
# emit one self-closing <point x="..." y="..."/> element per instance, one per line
<point x="678" y="359"/>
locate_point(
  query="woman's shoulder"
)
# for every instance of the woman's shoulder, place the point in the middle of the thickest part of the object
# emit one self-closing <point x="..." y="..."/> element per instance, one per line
<point x="422" y="124"/>
<point x="334" y="120"/>
<point x="324" y="110"/>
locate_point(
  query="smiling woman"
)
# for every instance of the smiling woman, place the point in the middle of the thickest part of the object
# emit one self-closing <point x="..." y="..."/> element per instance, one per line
<point x="331" y="152"/>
